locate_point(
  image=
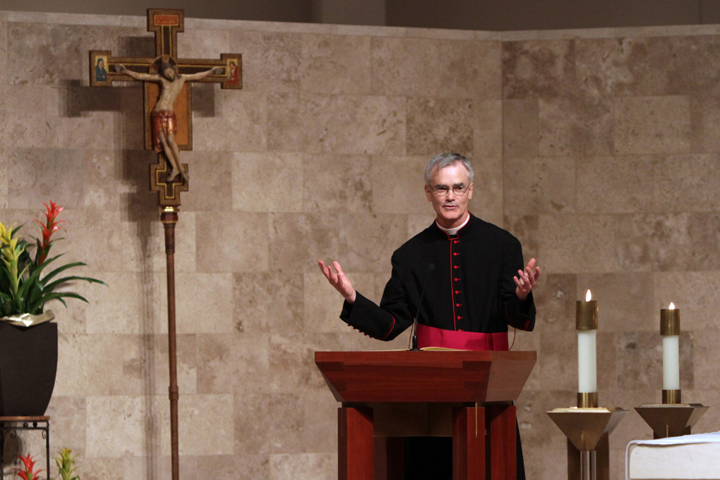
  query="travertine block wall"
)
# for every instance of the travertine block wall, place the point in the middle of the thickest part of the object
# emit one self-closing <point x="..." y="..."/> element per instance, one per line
<point x="598" y="149"/>
<point x="611" y="178"/>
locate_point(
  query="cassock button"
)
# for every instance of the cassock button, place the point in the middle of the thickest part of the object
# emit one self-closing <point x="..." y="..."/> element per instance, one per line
<point x="455" y="254"/>
<point x="456" y="242"/>
<point x="458" y="304"/>
<point x="459" y="318"/>
<point x="457" y="292"/>
<point x="455" y="267"/>
<point x="456" y="279"/>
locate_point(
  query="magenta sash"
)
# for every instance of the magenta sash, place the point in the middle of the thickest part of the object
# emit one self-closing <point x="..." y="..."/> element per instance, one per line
<point x="459" y="340"/>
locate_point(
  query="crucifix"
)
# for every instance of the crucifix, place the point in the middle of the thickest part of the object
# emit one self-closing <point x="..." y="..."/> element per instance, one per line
<point x="168" y="130"/>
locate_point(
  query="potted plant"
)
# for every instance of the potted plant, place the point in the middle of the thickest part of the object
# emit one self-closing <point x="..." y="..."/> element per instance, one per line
<point x="28" y="341"/>
<point x="65" y="462"/>
<point x="27" y="472"/>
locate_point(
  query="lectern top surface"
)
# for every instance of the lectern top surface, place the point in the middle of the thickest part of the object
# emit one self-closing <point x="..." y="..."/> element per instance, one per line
<point x="439" y="376"/>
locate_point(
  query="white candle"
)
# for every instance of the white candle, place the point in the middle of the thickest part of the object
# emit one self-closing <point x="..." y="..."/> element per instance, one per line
<point x="671" y="362"/>
<point x="670" y="330"/>
<point x="587" y="361"/>
<point x="586" y="322"/>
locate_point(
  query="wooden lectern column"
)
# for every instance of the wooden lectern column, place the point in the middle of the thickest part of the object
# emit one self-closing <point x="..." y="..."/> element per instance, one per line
<point x="501" y="427"/>
<point x="469" y="443"/>
<point x="480" y="457"/>
<point x="464" y="393"/>
<point x="356" y="445"/>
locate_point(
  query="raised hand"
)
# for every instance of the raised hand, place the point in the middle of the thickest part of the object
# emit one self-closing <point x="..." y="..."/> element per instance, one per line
<point x="526" y="279"/>
<point x="338" y="279"/>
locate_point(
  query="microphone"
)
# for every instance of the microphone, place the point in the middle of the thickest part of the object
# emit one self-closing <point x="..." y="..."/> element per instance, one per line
<point x="413" y="337"/>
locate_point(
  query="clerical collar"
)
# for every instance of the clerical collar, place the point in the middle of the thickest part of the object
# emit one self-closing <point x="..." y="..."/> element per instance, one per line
<point x="453" y="231"/>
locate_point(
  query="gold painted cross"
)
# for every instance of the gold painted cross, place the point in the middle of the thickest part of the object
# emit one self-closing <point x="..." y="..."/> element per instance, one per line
<point x="166" y="24"/>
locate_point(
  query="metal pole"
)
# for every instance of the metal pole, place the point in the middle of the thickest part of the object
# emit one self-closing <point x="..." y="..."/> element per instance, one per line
<point x="588" y="465"/>
<point x="46" y="431"/>
<point x="2" y="450"/>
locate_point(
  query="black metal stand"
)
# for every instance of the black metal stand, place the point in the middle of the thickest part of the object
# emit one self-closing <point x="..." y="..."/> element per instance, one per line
<point x="9" y="427"/>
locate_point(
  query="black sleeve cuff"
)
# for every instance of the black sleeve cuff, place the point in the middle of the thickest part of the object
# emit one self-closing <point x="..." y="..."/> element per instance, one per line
<point x="367" y="317"/>
<point x="521" y="313"/>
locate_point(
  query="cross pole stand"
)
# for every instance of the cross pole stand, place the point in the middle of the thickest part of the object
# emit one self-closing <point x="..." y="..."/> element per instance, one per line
<point x="167" y="131"/>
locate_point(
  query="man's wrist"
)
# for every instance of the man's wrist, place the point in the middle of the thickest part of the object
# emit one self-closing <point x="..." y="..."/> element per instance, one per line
<point x="523" y="299"/>
<point x="351" y="298"/>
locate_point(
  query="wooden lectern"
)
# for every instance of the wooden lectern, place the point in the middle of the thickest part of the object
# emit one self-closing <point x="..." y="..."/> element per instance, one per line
<point x="393" y="394"/>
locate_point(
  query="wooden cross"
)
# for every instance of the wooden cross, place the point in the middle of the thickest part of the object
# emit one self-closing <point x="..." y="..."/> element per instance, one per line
<point x="175" y="131"/>
<point x="166" y="24"/>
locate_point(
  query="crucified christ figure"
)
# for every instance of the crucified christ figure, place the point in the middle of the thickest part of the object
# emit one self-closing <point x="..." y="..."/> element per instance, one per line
<point x="164" y="120"/>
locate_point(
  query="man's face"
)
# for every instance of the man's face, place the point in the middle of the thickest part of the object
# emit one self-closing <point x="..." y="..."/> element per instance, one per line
<point x="451" y="208"/>
<point x="169" y="73"/>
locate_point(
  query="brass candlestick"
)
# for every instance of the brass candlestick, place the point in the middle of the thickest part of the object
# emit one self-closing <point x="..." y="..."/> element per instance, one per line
<point x="588" y="439"/>
<point x="588" y="400"/>
<point x="586" y="314"/>
<point x="587" y="427"/>
<point x="671" y="418"/>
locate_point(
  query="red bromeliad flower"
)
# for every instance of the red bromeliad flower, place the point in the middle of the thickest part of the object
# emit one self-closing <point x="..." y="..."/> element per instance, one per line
<point x="28" y="473"/>
<point x="51" y="226"/>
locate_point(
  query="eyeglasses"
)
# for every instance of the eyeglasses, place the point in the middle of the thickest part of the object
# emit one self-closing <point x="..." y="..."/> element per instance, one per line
<point x="443" y="190"/>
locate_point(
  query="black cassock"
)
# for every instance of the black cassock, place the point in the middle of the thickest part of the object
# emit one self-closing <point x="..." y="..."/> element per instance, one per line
<point x="468" y="280"/>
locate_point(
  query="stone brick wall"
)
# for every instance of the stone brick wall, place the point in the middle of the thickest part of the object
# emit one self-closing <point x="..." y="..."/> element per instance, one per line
<point x="610" y="179"/>
<point x="597" y="148"/>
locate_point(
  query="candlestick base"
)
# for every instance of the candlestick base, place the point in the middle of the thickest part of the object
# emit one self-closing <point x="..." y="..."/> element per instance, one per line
<point x="587" y="399"/>
<point x="588" y="431"/>
<point x="671" y="420"/>
<point x="671" y="397"/>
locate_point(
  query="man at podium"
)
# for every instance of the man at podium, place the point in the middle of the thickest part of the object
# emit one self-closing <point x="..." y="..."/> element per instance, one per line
<point x="463" y="278"/>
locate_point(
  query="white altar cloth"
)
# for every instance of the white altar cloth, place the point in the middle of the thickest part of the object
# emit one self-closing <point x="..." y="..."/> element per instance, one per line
<point x="677" y="458"/>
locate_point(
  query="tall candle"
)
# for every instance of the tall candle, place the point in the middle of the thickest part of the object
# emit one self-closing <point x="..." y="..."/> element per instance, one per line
<point x="587" y="361"/>
<point x="586" y="324"/>
<point x="670" y="331"/>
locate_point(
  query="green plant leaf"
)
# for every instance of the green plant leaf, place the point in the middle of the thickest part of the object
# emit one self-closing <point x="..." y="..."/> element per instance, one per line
<point x="22" y="244"/>
<point x="29" y="285"/>
<point x="57" y="296"/>
<point x="7" y="304"/>
<point x="40" y="295"/>
<point x="35" y="293"/>
<point x="32" y="279"/>
<point x="22" y="273"/>
<point x="6" y="280"/>
<point x="7" y="308"/>
<point x="58" y="270"/>
<point x="52" y="286"/>
<point x="29" y="290"/>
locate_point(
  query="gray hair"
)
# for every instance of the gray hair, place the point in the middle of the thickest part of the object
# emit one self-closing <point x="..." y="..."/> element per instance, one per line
<point x="445" y="160"/>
